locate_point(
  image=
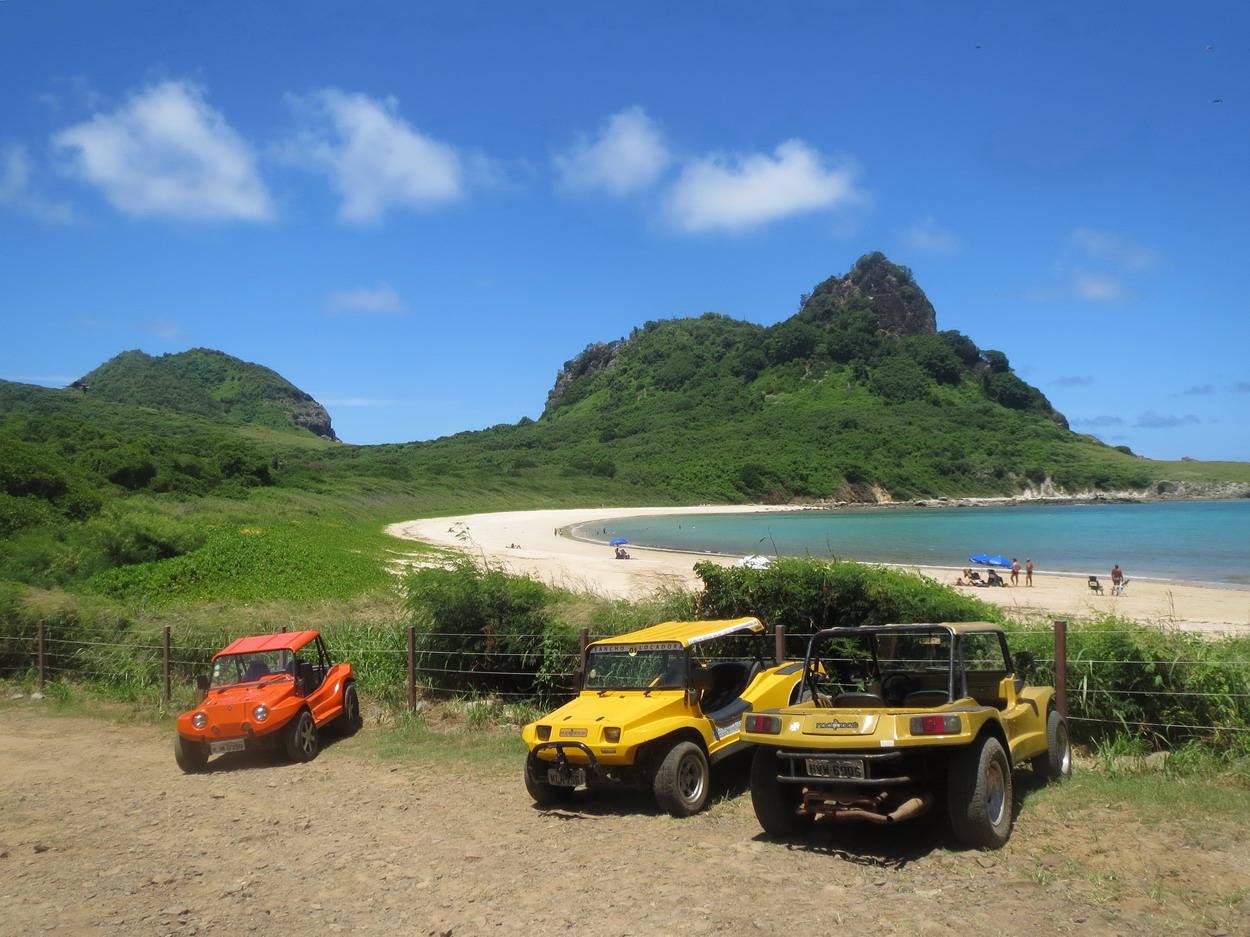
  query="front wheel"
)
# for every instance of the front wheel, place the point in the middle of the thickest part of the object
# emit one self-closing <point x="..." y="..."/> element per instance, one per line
<point x="1055" y="764"/>
<point x="543" y="793"/>
<point x="301" y="737"/>
<point x="979" y="794"/>
<point x="192" y="757"/>
<point x="776" y="804"/>
<point x="681" y="782"/>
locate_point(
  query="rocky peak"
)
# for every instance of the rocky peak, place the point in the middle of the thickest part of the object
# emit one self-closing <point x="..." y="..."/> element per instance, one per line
<point x="888" y="289"/>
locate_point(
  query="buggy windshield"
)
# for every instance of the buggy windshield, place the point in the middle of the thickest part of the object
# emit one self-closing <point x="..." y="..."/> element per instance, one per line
<point x="636" y="667"/>
<point x="252" y="667"/>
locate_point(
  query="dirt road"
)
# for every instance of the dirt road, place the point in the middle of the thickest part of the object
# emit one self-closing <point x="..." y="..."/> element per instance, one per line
<point x="101" y="834"/>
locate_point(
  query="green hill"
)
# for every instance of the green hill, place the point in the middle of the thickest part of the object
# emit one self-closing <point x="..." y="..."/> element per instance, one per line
<point x="856" y="397"/>
<point x="210" y="384"/>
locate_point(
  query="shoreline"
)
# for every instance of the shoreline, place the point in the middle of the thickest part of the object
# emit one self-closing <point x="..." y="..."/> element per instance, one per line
<point x="538" y="544"/>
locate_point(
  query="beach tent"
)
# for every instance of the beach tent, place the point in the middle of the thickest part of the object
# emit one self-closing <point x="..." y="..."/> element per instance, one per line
<point x="755" y="561"/>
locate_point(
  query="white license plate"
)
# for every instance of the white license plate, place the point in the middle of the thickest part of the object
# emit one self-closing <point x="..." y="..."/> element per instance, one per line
<point x="835" y="767"/>
<point x="230" y="745"/>
<point x="566" y="777"/>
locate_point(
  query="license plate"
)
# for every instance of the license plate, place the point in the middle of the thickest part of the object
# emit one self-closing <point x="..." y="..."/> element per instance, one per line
<point x="835" y="767"/>
<point x="566" y="777"/>
<point x="230" y="745"/>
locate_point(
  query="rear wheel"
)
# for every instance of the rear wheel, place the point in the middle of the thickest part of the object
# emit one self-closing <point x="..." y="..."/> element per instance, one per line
<point x="681" y="782"/>
<point x="1056" y="763"/>
<point x="301" y="738"/>
<point x="544" y="794"/>
<point x="979" y="794"/>
<point x="351" y="718"/>
<point x="192" y="757"/>
<point x="775" y="804"/>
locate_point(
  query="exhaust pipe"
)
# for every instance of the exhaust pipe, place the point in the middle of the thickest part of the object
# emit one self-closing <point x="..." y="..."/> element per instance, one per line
<point x="866" y="809"/>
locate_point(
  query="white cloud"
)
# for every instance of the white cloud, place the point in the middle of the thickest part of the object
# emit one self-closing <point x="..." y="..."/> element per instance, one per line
<point x="161" y="328"/>
<point x="1114" y="250"/>
<point x="927" y="235"/>
<point x="382" y="301"/>
<point x="374" y="158"/>
<point x="735" y="194"/>
<point x="629" y="154"/>
<point x="1152" y="420"/>
<point x="17" y="188"/>
<point x="1099" y="288"/>
<point x="166" y="153"/>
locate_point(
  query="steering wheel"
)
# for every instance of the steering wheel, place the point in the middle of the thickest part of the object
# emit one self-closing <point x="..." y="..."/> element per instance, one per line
<point x="896" y="686"/>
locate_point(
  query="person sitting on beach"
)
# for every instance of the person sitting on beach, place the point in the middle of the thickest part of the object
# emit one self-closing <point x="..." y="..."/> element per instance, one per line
<point x="995" y="579"/>
<point x="973" y="577"/>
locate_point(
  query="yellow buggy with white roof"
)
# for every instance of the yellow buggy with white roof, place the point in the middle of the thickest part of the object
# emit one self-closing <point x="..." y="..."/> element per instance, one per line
<point x="656" y="709"/>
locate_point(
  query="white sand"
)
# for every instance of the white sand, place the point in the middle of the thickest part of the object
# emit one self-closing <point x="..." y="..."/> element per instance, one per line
<point x="547" y="554"/>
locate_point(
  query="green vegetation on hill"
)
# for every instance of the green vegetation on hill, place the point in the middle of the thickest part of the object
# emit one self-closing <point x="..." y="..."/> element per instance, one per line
<point x="211" y="384"/>
<point x="143" y="480"/>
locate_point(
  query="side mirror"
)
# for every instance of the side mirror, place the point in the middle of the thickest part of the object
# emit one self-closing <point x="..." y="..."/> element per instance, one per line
<point x="579" y="678"/>
<point x="701" y="679"/>
<point x="1024" y="661"/>
<point x="201" y="682"/>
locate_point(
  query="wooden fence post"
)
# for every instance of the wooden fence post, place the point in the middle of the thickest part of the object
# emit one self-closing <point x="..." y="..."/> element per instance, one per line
<point x="412" y="669"/>
<point x="165" y="663"/>
<point x="780" y="637"/>
<point x="42" y="654"/>
<point x="1061" y="666"/>
<point x="583" y="642"/>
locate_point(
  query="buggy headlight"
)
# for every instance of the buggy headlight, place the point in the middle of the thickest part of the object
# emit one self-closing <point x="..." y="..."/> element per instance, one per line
<point x="544" y="733"/>
<point x="261" y="712"/>
<point x="612" y="734"/>
<point x="199" y="720"/>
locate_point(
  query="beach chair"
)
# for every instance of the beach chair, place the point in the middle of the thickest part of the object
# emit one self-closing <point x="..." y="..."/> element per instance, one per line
<point x="1119" y="587"/>
<point x="1095" y="585"/>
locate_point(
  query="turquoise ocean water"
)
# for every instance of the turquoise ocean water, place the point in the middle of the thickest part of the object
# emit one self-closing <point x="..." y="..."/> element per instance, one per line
<point x="1205" y="541"/>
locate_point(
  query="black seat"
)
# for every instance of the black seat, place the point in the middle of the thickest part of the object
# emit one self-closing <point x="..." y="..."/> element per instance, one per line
<point x="729" y="679"/>
<point x="922" y="699"/>
<point x="857" y="700"/>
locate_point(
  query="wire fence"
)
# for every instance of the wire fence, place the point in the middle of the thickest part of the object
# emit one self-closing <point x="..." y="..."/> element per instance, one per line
<point x="1168" y="699"/>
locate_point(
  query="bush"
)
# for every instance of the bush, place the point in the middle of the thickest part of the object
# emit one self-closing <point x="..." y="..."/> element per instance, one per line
<point x="806" y="595"/>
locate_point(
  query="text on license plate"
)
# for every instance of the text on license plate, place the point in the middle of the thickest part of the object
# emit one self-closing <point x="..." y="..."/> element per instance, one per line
<point x="566" y="777"/>
<point x="835" y="767"/>
<point x="230" y="745"/>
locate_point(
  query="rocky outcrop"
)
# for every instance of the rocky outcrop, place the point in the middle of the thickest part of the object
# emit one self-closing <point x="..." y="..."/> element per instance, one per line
<point x="594" y="359"/>
<point x="890" y="290"/>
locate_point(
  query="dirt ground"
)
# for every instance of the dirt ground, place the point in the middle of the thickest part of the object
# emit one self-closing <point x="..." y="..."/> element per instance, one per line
<point x="100" y="833"/>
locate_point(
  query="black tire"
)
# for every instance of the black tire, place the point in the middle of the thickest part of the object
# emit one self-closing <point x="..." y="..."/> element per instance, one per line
<point x="775" y="803"/>
<point x="544" y="794"/>
<point x="351" y="719"/>
<point x="1056" y="763"/>
<point x="300" y="738"/>
<point x="681" y="782"/>
<point x="979" y="794"/>
<point x="192" y="757"/>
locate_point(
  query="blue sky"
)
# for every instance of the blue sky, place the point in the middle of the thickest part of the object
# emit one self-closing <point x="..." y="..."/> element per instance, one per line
<point x="417" y="212"/>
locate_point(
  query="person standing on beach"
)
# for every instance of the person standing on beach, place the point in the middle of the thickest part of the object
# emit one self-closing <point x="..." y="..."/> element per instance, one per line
<point x="1117" y="577"/>
<point x="1015" y="571"/>
<point x="1028" y="571"/>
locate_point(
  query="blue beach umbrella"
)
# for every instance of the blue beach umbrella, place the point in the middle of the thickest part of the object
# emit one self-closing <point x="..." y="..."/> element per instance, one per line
<point x="619" y="540"/>
<point x="991" y="560"/>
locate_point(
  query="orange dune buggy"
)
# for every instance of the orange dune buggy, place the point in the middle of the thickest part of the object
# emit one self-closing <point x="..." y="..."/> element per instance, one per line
<point x="273" y="690"/>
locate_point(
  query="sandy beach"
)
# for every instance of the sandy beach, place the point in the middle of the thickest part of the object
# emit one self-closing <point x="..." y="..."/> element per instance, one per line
<point x="543" y="550"/>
